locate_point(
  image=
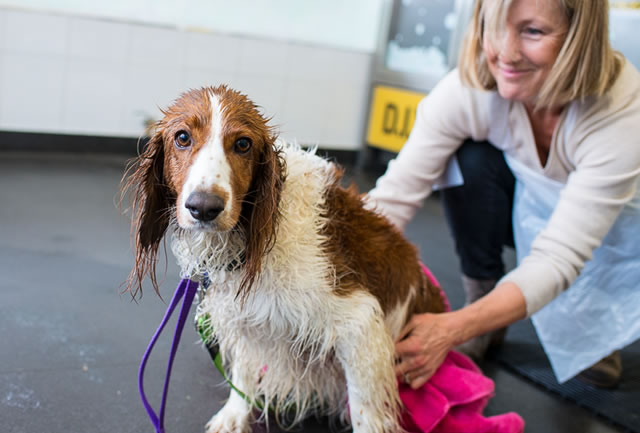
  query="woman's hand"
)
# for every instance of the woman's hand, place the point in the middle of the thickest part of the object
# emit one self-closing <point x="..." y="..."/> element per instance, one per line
<point x="422" y="346"/>
<point x="425" y="341"/>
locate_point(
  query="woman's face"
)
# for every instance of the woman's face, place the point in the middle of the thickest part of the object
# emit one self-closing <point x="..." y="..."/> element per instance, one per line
<point x="523" y="55"/>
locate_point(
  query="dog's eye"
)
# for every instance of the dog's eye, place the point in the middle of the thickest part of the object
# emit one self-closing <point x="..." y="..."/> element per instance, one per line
<point x="182" y="139"/>
<point x="242" y="145"/>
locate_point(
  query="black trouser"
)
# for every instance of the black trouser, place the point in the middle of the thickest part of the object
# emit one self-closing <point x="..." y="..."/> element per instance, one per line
<point x="479" y="212"/>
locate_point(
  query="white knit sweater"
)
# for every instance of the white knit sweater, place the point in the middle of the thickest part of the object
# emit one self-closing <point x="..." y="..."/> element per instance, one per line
<point x="595" y="151"/>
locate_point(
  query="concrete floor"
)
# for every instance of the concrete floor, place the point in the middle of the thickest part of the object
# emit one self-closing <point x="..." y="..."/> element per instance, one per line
<point x="72" y="343"/>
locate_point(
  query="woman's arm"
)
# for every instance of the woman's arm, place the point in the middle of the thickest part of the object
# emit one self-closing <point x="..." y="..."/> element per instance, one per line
<point x="426" y="340"/>
<point x="446" y="117"/>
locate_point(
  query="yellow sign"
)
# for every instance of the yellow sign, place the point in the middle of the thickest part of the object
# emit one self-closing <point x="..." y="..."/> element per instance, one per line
<point x="391" y="118"/>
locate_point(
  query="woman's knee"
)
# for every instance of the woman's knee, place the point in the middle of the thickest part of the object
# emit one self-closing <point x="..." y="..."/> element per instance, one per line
<point x="481" y="163"/>
<point x="479" y="211"/>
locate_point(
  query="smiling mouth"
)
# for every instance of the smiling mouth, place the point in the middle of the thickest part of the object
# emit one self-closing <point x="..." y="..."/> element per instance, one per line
<point x="512" y="73"/>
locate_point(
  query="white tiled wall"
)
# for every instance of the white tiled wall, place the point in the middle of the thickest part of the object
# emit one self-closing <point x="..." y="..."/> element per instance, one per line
<point x="68" y="74"/>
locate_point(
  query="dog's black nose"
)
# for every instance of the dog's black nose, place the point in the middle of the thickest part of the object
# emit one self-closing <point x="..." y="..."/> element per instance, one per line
<point x="204" y="206"/>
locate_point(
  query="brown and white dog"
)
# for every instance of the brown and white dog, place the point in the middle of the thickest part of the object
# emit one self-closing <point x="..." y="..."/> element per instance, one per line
<point x="308" y="288"/>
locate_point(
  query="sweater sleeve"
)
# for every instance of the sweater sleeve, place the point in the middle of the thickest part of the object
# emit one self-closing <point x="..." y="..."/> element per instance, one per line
<point x="607" y="160"/>
<point x="446" y="117"/>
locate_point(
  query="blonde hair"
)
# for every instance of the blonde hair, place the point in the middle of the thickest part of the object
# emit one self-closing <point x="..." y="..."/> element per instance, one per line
<point x="586" y="64"/>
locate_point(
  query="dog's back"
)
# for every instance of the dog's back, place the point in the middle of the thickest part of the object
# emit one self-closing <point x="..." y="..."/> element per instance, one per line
<point x="371" y="254"/>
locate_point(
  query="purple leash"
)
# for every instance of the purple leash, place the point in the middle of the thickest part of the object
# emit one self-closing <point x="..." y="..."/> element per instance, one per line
<point x="186" y="288"/>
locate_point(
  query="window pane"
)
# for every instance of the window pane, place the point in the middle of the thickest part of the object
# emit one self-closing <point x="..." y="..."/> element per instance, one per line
<point x="419" y="36"/>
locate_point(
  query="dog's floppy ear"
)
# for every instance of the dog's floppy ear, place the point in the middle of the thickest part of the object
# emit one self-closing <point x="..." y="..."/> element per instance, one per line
<point x="261" y="213"/>
<point x="151" y="203"/>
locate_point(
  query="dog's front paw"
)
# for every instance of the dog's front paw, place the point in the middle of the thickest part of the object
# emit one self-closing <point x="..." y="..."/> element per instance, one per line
<point x="228" y="421"/>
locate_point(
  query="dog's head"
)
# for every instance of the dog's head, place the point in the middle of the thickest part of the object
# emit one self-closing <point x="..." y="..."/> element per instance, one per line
<point x="211" y="165"/>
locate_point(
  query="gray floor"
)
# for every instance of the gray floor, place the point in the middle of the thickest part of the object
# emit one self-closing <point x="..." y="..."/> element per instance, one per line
<point x="71" y="342"/>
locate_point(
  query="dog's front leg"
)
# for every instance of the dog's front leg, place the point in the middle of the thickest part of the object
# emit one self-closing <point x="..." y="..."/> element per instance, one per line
<point x="237" y="414"/>
<point x="366" y="351"/>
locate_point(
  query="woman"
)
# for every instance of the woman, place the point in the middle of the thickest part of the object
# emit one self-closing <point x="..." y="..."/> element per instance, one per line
<point x="541" y="95"/>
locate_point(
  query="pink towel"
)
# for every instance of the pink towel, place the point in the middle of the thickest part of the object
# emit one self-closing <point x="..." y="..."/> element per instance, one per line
<point x="454" y="398"/>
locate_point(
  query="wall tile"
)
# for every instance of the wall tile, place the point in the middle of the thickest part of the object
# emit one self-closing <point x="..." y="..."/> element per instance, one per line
<point x="203" y="77"/>
<point x="147" y="88"/>
<point x="309" y="62"/>
<point x="100" y="40"/>
<point x="211" y="51"/>
<point x="32" y="92"/>
<point x="267" y="58"/>
<point x="3" y="29"/>
<point x="346" y="115"/>
<point x="33" y="33"/>
<point x="93" y="99"/>
<point x="305" y="106"/>
<point x="351" y="65"/>
<point x="156" y="46"/>
<point x="81" y="75"/>
<point x="267" y="92"/>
